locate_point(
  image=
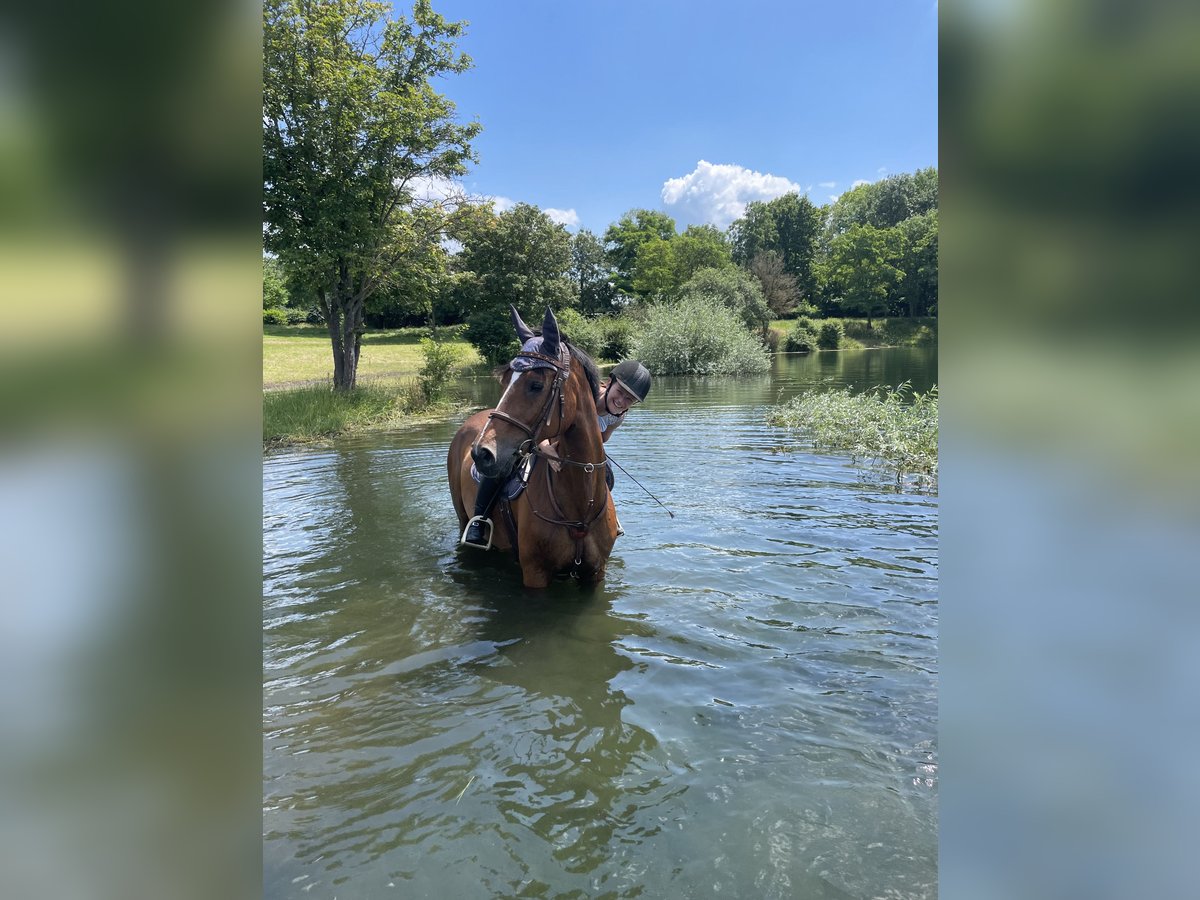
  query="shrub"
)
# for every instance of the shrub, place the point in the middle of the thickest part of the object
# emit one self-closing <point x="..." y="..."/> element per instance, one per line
<point x="830" y="335"/>
<point x="276" y="315"/>
<point x="698" y="336"/>
<point x="776" y="339"/>
<point x="585" y="333"/>
<point x="801" y="338"/>
<point x="491" y="332"/>
<point x="735" y="289"/>
<point x="618" y="338"/>
<point x="437" y="370"/>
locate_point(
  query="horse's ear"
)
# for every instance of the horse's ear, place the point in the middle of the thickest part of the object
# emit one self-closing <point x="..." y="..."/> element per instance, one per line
<point x="524" y="332"/>
<point x="550" y="334"/>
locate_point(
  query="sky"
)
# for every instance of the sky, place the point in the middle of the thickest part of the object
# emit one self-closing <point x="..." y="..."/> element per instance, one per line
<point x="591" y="108"/>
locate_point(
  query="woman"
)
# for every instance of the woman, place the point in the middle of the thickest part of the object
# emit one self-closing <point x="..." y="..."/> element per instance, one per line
<point x="627" y="385"/>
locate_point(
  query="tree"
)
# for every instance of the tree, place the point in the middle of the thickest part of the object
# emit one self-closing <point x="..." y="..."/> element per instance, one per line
<point x="887" y="202"/>
<point x="918" y="262"/>
<point x="592" y="273"/>
<point x="778" y="285"/>
<point x="351" y="123"/>
<point x="788" y="225"/>
<point x="521" y="257"/>
<point x="654" y="269"/>
<point x="860" y="270"/>
<point x="624" y="239"/>
<point x="700" y="247"/>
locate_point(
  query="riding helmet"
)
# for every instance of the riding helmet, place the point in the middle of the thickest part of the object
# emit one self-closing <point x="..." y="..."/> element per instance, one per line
<point x="634" y="377"/>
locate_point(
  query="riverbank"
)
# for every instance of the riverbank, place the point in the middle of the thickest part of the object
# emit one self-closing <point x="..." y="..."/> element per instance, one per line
<point x="300" y="408"/>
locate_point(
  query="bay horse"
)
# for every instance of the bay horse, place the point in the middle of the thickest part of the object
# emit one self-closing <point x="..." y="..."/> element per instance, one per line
<point x="564" y="520"/>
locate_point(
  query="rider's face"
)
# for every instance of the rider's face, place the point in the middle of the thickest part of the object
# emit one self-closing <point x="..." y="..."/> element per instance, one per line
<point x="618" y="398"/>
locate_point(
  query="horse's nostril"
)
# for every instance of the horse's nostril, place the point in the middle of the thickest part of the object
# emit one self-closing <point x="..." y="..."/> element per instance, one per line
<point x="483" y="456"/>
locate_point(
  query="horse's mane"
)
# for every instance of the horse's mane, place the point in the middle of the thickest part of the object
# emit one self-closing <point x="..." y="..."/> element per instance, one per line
<point x="586" y="363"/>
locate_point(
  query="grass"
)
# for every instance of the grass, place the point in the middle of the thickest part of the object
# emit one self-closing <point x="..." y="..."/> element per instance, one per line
<point x="892" y="428"/>
<point x="314" y="413"/>
<point x="900" y="331"/>
<point x="298" y="355"/>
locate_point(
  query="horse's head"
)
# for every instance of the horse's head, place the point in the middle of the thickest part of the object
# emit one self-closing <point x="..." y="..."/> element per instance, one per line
<point x="535" y="403"/>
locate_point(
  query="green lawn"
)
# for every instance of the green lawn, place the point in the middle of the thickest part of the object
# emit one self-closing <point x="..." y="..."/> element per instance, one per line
<point x="296" y="354"/>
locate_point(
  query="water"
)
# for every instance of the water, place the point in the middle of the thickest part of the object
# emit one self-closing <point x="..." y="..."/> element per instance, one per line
<point x="747" y="708"/>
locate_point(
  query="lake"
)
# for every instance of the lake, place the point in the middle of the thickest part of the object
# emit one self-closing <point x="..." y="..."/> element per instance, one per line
<point x="746" y="708"/>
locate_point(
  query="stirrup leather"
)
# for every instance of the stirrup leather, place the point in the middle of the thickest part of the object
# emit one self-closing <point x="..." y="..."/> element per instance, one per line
<point x="483" y="520"/>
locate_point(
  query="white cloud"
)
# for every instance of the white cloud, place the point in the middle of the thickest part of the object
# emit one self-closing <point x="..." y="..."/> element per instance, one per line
<point x="882" y="170"/>
<point x="718" y="194"/>
<point x="502" y="204"/>
<point x="830" y="185"/>
<point x="567" y="217"/>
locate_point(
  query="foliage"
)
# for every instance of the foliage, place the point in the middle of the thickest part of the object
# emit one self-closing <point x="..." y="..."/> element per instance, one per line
<point x="860" y="269"/>
<point x="700" y="247"/>
<point x="618" y="338"/>
<point x="734" y="289"/>
<point x="830" y="334"/>
<point x="654" y="269"/>
<point x="437" y="369"/>
<point x="885" y="203"/>
<point x="351" y="122"/>
<point x="626" y="237"/>
<point x="790" y="226"/>
<point x="802" y="338"/>
<point x="592" y="273"/>
<point x="584" y="332"/>
<point x="890" y="426"/>
<point x="520" y="256"/>
<point x="699" y="335"/>
<point x="275" y="289"/>
<point x="491" y="333"/>
<point x="918" y="263"/>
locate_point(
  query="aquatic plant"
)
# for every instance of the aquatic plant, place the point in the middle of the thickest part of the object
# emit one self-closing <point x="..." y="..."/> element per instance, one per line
<point x="893" y="428"/>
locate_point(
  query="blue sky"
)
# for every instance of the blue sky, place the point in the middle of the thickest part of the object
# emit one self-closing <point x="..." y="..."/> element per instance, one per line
<point x="692" y="107"/>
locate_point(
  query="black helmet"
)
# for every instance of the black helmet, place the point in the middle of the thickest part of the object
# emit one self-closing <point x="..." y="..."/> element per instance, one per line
<point x="633" y="376"/>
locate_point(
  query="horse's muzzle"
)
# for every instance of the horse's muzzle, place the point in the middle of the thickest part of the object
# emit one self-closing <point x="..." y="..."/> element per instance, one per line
<point x="487" y="465"/>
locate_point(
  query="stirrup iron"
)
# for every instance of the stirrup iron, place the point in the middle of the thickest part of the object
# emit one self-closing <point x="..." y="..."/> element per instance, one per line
<point x="483" y="520"/>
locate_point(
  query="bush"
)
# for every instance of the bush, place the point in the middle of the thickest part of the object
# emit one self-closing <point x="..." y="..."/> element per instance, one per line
<point x="698" y="336"/>
<point x="618" y="338"/>
<point x="491" y="332"/>
<point x="829" y="337"/>
<point x="585" y="333"/>
<point x="437" y="370"/>
<point x="776" y="339"/>
<point x="276" y="315"/>
<point x="735" y="289"/>
<point x="801" y="339"/>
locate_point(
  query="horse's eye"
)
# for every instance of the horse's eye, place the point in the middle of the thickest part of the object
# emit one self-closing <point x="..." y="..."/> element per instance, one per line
<point x="535" y="386"/>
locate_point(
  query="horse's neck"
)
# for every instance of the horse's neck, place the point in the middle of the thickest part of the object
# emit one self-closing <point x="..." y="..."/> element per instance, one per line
<point x="581" y="443"/>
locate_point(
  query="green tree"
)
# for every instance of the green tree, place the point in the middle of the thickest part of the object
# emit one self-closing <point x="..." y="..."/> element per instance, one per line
<point x="860" y="269"/>
<point x="654" y="269"/>
<point x="624" y="239"/>
<point x="275" y="289"/>
<point x="350" y="122"/>
<point x="885" y="203"/>
<point x="592" y="273"/>
<point x="700" y="247"/>
<point x="520" y="256"/>
<point x="790" y="226"/>
<point x="918" y="262"/>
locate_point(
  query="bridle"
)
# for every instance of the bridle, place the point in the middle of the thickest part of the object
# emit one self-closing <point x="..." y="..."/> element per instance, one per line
<point x="576" y="528"/>
<point x="561" y="373"/>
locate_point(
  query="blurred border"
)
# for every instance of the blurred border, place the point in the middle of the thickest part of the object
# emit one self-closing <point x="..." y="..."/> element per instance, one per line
<point x="1069" y="132"/>
<point x="130" y="449"/>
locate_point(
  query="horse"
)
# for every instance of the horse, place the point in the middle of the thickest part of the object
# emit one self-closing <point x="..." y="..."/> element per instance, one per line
<point x="564" y="520"/>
